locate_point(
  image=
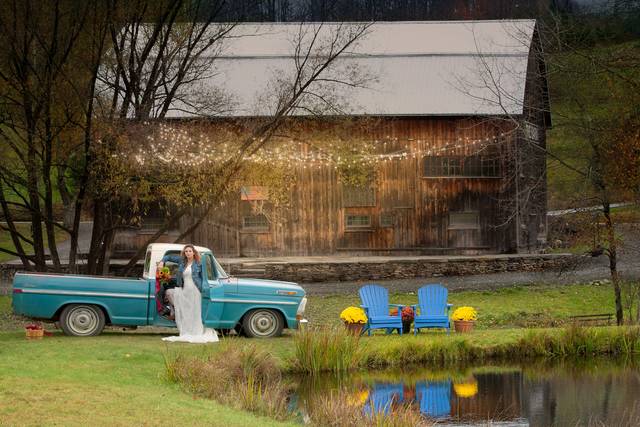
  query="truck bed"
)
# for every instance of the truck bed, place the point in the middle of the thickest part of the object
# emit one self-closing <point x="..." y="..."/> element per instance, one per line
<point x="125" y="301"/>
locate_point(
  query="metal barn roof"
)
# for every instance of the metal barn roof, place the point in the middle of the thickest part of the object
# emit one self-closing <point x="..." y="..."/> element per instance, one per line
<point x="406" y="68"/>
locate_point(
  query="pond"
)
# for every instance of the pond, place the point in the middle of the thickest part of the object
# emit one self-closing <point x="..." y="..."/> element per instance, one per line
<point x="564" y="394"/>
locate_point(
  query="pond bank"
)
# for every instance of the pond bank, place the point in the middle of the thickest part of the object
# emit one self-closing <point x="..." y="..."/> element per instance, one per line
<point x="589" y="392"/>
<point x="333" y="375"/>
<point x="334" y="350"/>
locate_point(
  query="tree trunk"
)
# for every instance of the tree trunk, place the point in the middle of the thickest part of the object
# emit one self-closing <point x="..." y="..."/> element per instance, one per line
<point x="97" y="233"/>
<point x="36" y="216"/>
<point x="13" y="231"/>
<point x="613" y="261"/>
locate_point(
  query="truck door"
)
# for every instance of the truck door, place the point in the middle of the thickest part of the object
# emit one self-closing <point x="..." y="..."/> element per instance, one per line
<point x="212" y="294"/>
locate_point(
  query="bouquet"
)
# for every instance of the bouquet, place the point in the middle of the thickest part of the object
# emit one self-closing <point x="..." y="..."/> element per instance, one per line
<point x="164" y="275"/>
<point x="164" y="281"/>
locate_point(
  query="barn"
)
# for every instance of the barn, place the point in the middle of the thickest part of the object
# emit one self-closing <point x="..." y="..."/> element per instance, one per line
<point x="455" y="118"/>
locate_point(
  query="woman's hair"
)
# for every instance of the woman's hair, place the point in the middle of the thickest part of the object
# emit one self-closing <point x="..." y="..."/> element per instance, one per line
<point x="196" y="254"/>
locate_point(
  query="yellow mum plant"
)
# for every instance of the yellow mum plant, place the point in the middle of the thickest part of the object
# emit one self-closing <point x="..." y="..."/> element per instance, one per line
<point x="468" y="314"/>
<point x="353" y="315"/>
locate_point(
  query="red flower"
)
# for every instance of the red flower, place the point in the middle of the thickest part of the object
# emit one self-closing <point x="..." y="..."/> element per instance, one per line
<point x="34" y="326"/>
<point x="407" y="313"/>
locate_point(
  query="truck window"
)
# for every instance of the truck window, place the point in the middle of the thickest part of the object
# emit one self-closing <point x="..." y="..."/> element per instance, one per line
<point x="147" y="263"/>
<point x="211" y="269"/>
<point x="172" y="265"/>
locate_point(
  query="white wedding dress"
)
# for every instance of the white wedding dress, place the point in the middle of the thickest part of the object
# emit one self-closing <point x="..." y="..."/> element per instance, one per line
<point x="187" y="303"/>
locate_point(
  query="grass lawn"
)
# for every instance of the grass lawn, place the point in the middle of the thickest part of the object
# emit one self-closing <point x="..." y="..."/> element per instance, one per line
<point x="518" y="306"/>
<point x="114" y="379"/>
<point x="25" y="229"/>
<point x="118" y="377"/>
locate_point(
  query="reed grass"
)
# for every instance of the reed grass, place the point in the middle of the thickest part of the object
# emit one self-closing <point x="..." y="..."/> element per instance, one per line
<point x="337" y="410"/>
<point x="570" y="342"/>
<point x="326" y="349"/>
<point x="576" y="341"/>
<point x="243" y="377"/>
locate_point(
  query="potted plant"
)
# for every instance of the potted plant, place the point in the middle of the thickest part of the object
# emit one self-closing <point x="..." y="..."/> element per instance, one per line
<point x="34" y="331"/>
<point x="464" y="319"/>
<point x="407" y="318"/>
<point x="354" y="319"/>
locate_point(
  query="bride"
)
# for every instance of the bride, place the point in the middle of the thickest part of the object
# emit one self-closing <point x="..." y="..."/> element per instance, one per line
<point x="187" y="299"/>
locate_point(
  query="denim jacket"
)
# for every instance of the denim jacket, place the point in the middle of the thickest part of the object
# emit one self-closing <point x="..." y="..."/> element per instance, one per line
<point x="196" y="270"/>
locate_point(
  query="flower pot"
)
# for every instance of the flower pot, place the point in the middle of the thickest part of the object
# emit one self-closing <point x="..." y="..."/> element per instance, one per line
<point x="354" y="328"/>
<point x="34" y="334"/>
<point x="406" y="327"/>
<point x="463" y="325"/>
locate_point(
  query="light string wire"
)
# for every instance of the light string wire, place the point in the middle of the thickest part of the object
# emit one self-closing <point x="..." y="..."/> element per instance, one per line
<point x="180" y="148"/>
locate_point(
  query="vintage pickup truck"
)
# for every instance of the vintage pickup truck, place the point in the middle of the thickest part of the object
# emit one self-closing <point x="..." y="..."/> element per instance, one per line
<point x="83" y="305"/>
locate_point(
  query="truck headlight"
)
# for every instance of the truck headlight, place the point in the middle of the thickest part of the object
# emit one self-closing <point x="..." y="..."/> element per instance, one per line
<point x="301" y="307"/>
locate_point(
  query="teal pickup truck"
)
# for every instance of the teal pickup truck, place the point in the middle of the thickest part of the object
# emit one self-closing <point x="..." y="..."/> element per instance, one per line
<point x="83" y="305"/>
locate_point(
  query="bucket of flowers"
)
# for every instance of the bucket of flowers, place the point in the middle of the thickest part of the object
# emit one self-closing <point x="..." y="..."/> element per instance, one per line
<point x="34" y="331"/>
<point x="354" y="319"/>
<point x="464" y="318"/>
<point x="164" y="281"/>
<point x="407" y="318"/>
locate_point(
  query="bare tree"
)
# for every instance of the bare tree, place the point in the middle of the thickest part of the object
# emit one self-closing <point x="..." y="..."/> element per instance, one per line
<point x="309" y="86"/>
<point x="607" y="133"/>
<point x="47" y="78"/>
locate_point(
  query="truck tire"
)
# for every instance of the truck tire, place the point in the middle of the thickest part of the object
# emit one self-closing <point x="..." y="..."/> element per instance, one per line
<point x="82" y="320"/>
<point x="263" y="323"/>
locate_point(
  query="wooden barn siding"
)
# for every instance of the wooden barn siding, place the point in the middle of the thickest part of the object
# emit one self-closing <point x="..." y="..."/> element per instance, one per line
<point x="315" y="223"/>
<point x="532" y="185"/>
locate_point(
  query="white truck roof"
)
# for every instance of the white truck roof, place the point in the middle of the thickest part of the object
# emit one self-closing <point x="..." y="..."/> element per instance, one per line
<point x="155" y="251"/>
<point x="164" y="247"/>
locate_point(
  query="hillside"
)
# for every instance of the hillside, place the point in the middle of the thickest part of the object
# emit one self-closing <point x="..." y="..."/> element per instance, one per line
<point x="578" y="97"/>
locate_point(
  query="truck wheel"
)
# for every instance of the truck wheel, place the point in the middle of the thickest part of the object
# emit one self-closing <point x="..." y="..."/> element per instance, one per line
<point x="82" y="320"/>
<point x="263" y="323"/>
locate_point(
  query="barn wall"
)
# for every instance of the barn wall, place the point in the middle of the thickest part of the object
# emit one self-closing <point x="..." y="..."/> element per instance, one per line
<point x="417" y="206"/>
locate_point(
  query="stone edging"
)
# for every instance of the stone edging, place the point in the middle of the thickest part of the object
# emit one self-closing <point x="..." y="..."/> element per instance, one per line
<point x="413" y="268"/>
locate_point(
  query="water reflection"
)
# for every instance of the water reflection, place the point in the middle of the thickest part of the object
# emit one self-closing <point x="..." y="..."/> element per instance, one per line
<point x="434" y="398"/>
<point x="600" y="393"/>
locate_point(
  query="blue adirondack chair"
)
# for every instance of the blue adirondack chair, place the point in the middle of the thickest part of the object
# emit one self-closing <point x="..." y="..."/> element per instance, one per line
<point x="434" y="398"/>
<point x="375" y="302"/>
<point x="432" y="310"/>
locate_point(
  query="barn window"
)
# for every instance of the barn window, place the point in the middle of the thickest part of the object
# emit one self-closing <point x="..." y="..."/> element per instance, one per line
<point x="469" y="220"/>
<point x="531" y="131"/>
<point x="255" y="223"/>
<point x="353" y="196"/>
<point x="386" y="219"/>
<point x="457" y="166"/>
<point x="357" y="221"/>
<point x="490" y="166"/>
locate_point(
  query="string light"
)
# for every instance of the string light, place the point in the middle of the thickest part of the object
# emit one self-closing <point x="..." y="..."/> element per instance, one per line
<point x="173" y="146"/>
